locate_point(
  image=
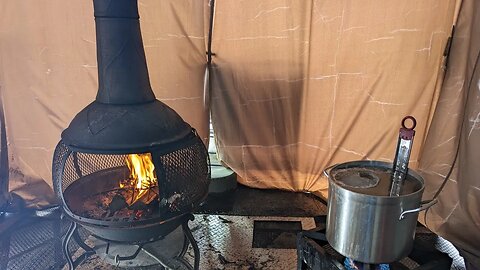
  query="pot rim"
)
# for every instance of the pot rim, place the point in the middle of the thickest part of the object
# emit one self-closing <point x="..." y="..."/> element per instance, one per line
<point x="374" y="164"/>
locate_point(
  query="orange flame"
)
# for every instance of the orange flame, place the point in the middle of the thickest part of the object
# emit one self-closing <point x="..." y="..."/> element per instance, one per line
<point x="142" y="173"/>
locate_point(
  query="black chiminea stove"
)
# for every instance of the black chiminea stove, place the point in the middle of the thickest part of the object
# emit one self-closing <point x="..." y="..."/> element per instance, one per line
<point x="128" y="169"/>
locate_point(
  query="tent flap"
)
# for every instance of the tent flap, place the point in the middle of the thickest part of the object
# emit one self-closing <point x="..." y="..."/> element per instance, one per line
<point x="454" y="140"/>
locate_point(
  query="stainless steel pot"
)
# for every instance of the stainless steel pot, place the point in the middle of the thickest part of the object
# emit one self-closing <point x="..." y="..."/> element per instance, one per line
<point x="363" y="222"/>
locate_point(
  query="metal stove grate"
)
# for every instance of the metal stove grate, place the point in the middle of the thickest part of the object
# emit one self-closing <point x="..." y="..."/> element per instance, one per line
<point x="411" y="264"/>
<point x="329" y="249"/>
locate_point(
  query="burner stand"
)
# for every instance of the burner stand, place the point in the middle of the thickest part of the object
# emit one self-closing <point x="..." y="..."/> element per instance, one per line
<point x="106" y="249"/>
<point x="314" y="252"/>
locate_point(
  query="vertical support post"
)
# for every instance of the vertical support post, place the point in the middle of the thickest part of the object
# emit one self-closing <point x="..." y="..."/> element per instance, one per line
<point x="66" y="240"/>
<point x="196" y="250"/>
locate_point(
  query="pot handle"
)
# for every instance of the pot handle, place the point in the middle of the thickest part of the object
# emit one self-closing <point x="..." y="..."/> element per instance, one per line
<point x="328" y="169"/>
<point x="423" y="206"/>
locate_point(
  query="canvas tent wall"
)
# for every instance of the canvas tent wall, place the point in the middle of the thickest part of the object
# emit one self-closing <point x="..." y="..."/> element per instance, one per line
<point x="296" y="86"/>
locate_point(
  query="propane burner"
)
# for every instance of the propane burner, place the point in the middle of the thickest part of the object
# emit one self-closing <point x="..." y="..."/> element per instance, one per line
<point x="314" y="252"/>
<point x="353" y="265"/>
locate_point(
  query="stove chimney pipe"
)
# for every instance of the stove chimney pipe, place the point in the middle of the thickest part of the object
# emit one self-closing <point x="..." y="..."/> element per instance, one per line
<point x="122" y="67"/>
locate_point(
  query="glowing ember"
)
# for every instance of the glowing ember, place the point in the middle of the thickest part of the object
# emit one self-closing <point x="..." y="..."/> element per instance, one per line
<point x="142" y="175"/>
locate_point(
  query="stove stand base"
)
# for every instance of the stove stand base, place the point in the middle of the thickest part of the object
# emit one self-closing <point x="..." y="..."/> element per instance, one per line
<point x="314" y="252"/>
<point x="139" y="254"/>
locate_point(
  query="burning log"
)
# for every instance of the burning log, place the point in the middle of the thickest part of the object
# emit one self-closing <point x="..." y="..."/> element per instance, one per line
<point x="142" y="177"/>
<point x="145" y="201"/>
<point x="118" y="202"/>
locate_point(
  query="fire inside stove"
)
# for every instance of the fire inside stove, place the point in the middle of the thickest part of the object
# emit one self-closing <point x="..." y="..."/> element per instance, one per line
<point x="132" y="198"/>
<point x="135" y="191"/>
<point x="142" y="182"/>
<point x="156" y="185"/>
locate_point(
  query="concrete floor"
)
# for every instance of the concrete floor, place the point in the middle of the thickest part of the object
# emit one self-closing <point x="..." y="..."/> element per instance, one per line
<point x="224" y="231"/>
<point x="225" y="242"/>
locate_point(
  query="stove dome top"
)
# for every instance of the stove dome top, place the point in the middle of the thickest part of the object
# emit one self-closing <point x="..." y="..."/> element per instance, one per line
<point x="125" y="117"/>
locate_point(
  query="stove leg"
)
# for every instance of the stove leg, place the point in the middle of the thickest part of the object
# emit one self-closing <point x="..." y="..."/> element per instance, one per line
<point x="191" y="239"/>
<point x="73" y="232"/>
<point x="66" y="240"/>
<point x="186" y="243"/>
<point x="82" y="244"/>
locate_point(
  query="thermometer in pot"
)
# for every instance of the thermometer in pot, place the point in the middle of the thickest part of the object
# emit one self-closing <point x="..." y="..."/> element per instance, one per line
<point x="402" y="156"/>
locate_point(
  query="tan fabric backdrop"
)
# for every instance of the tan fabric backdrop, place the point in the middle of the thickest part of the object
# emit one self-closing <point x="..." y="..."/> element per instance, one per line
<point x="48" y="73"/>
<point x="300" y="85"/>
<point x="297" y="86"/>
<point x="457" y="120"/>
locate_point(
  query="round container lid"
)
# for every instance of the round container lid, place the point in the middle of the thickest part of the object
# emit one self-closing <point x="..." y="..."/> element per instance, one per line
<point x="372" y="178"/>
<point x="357" y="178"/>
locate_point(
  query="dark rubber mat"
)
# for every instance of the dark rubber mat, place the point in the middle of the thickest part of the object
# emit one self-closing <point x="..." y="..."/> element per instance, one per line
<point x="245" y="201"/>
<point x="275" y="234"/>
<point x="34" y="242"/>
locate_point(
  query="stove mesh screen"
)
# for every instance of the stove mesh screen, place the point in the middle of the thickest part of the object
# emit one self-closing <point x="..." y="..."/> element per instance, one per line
<point x="79" y="164"/>
<point x="183" y="174"/>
